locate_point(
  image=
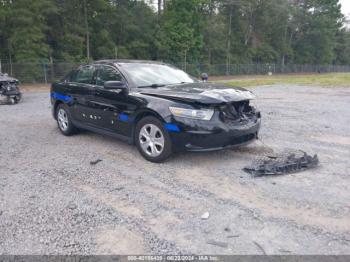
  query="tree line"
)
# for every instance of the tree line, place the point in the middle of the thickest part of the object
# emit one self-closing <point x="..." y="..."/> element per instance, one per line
<point x="177" y="31"/>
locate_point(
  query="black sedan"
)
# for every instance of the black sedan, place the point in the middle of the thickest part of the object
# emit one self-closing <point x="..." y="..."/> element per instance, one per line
<point x="154" y="105"/>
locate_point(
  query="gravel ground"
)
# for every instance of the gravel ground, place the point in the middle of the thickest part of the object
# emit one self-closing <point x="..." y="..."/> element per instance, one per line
<point x="52" y="201"/>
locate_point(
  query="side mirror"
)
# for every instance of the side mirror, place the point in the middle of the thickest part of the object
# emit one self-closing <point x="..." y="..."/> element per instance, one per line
<point x="204" y="77"/>
<point x="115" y="85"/>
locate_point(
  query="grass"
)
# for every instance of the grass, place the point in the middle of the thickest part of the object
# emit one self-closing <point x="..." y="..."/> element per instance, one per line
<point x="326" y="80"/>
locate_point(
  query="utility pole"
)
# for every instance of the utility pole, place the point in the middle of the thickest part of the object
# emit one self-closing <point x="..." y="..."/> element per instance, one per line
<point x="52" y="69"/>
<point x="230" y="4"/>
<point x="159" y="7"/>
<point x="10" y="60"/>
<point x="185" y="60"/>
<point x="228" y="58"/>
<point x="87" y="32"/>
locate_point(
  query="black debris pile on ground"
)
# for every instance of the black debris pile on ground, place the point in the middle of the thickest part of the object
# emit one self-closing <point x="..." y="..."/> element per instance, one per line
<point x="289" y="161"/>
<point x="95" y="162"/>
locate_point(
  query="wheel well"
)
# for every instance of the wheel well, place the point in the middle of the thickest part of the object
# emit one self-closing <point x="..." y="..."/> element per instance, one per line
<point x="55" y="107"/>
<point x="141" y="115"/>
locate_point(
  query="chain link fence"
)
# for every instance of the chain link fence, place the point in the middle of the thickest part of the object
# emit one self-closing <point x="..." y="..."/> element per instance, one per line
<point x="46" y="73"/>
<point x="260" y="69"/>
<point x="37" y="72"/>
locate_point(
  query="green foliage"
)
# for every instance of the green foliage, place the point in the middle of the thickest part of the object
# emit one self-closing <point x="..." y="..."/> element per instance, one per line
<point x="264" y="53"/>
<point x="180" y="36"/>
<point x="316" y="39"/>
<point x="185" y="31"/>
<point x="342" y="48"/>
<point x="26" y="33"/>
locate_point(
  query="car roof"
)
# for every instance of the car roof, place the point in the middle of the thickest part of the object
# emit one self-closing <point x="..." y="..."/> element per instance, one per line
<point x="126" y="61"/>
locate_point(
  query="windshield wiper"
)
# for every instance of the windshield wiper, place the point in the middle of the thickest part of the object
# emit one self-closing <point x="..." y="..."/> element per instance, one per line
<point x="153" y="86"/>
<point x="181" y="83"/>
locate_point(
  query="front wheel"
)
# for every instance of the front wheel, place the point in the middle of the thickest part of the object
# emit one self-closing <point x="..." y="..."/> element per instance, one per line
<point x="15" y="99"/>
<point x="152" y="140"/>
<point x="18" y="98"/>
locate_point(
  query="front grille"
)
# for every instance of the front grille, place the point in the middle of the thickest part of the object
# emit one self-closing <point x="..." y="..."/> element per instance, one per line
<point x="237" y="112"/>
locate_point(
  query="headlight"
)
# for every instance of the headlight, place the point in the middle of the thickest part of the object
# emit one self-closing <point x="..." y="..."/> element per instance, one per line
<point x="253" y="103"/>
<point x="202" y="114"/>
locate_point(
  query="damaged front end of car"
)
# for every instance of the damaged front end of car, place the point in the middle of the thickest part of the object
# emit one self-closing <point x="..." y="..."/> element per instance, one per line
<point x="9" y="90"/>
<point x="239" y="112"/>
<point x="232" y="124"/>
<point x="206" y="116"/>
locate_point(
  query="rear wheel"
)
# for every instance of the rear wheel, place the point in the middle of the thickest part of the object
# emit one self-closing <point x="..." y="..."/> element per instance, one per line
<point x="64" y="120"/>
<point x="152" y="140"/>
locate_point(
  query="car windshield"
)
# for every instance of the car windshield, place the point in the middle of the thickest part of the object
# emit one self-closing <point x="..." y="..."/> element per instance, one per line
<point x="155" y="75"/>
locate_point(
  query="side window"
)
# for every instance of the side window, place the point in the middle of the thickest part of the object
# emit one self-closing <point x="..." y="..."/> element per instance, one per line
<point x="107" y="73"/>
<point x="84" y="75"/>
<point x="70" y="77"/>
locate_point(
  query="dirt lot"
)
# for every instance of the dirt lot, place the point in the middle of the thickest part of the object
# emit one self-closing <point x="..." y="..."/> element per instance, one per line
<point x="52" y="201"/>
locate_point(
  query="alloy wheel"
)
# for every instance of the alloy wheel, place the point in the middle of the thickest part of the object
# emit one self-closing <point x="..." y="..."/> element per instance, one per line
<point x="62" y="118"/>
<point x="151" y="140"/>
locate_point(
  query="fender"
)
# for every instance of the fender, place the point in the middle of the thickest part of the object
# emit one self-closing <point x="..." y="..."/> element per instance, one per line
<point x="143" y="113"/>
<point x="64" y="98"/>
<point x="56" y="99"/>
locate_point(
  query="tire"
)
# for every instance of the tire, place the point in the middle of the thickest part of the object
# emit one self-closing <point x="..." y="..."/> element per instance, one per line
<point x="64" y="121"/>
<point x="152" y="140"/>
<point x="12" y="100"/>
<point x="18" y="98"/>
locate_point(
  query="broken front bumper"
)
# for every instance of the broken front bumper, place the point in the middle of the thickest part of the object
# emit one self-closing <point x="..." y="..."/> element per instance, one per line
<point x="289" y="161"/>
<point x="221" y="137"/>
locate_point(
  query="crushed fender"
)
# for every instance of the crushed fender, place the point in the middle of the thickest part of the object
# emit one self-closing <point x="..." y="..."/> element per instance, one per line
<point x="9" y="90"/>
<point x="289" y="161"/>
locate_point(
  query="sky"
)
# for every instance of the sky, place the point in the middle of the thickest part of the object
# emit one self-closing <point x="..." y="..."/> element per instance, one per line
<point x="345" y="7"/>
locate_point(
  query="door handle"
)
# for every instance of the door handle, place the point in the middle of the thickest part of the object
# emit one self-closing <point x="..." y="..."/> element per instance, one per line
<point x="103" y="104"/>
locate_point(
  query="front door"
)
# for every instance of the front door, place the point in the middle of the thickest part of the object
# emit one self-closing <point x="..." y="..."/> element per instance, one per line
<point x="111" y="105"/>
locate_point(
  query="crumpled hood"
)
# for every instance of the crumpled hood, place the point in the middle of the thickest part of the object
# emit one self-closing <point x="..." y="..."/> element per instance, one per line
<point x="6" y="78"/>
<point x="205" y="93"/>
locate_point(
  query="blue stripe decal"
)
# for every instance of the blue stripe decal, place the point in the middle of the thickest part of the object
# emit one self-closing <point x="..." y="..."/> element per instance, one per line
<point x="123" y="117"/>
<point x="171" y="127"/>
<point x="61" y="97"/>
